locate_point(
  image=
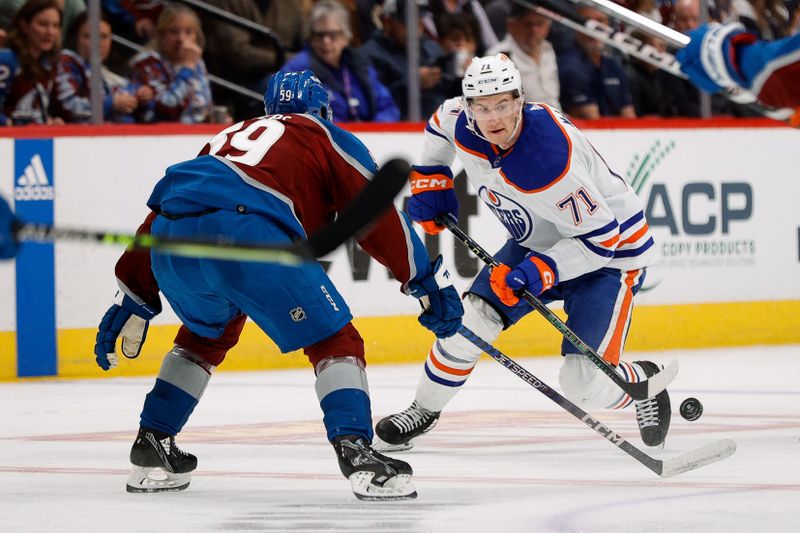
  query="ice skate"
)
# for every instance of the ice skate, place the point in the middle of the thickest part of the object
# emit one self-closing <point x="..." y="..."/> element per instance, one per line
<point x="653" y="415"/>
<point x="373" y="476"/>
<point x="398" y="431"/>
<point x="158" y="464"/>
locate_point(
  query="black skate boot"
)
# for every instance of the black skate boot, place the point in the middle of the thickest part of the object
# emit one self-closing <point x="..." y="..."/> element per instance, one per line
<point x="398" y="430"/>
<point x="653" y="415"/>
<point x="158" y="464"/>
<point x="373" y="476"/>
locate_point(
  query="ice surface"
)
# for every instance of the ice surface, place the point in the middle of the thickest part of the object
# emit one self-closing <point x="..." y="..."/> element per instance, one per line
<point x="503" y="457"/>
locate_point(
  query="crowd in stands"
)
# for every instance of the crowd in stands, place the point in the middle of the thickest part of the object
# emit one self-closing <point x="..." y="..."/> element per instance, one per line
<point x="358" y="49"/>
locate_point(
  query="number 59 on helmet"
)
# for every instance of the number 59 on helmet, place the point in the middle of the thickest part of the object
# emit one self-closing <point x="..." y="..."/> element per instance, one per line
<point x="297" y="92"/>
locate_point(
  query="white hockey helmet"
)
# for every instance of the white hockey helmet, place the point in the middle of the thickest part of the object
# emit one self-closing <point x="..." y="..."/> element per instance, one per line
<point x="486" y="76"/>
<point x="491" y="75"/>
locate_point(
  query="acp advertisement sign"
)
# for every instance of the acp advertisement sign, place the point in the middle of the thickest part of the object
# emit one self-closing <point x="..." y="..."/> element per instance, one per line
<point x="720" y="204"/>
<point x="721" y="209"/>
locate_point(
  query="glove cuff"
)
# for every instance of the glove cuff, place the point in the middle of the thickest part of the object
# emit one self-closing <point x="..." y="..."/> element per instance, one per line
<point x="431" y="228"/>
<point x="440" y="274"/>
<point x="546" y="269"/>
<point x="135" y="307"/>
<point x="718" y="54"/>
<point x="422" y="181"/>
<point x="436" y="278"/>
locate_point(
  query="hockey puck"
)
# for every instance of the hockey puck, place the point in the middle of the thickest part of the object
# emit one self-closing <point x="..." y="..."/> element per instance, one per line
<point x="691" y="409"/>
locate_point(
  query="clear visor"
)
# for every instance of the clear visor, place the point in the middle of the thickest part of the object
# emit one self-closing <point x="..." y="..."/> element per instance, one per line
<point x="483" y="111"/>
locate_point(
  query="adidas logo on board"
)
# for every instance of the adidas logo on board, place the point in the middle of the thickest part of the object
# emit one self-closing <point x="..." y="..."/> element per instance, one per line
<point x="33" y="184"/>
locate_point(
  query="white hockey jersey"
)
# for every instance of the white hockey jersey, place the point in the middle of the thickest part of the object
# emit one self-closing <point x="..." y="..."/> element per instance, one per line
<point x="552" y="190"/>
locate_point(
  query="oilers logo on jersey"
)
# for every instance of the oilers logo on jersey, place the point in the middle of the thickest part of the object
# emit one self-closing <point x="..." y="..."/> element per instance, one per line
<point x="513" y="216"/>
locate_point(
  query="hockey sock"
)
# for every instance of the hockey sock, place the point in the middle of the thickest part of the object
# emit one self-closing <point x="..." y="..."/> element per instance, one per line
<point x="631" y="372"/>
<point x="587" y="386"/>
<point x="179" y="387"/>
<point x="451" y="360"/>
<point x="343" y="395"/>
<point x="443" y="377"/>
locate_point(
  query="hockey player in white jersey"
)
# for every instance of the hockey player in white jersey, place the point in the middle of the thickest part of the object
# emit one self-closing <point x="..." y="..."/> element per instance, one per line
<point x="577" y="233"/>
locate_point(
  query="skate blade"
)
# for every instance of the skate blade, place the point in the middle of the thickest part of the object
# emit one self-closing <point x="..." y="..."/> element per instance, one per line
<point x="383" y="446"/>
<point x="146" y="479"/>
<point x="398" y="487"/>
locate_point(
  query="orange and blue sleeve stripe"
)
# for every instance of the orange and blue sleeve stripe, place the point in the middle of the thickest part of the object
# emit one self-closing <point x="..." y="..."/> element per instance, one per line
<point x="635" y="237"/>
<point x="606" y="247"/>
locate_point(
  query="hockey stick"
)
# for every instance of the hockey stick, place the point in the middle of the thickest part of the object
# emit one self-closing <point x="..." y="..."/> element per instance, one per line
<point x="633" y="47"/>
<point x="637" y="20"/>
<point x="710" y="453"/>
<point x="372" y="201"/>
<point x="638" y="391"/>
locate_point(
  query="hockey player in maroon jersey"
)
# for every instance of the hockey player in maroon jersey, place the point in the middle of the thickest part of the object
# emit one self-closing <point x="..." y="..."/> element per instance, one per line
<point x="274" y="178"/>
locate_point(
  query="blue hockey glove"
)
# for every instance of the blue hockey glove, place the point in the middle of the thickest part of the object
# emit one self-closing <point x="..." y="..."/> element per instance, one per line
<point x="127" y="319"/>
<point x="435" y="291"/>
<point x="536" y="273"/>
<point x="710" y="58"/>
<point x="432" y="194"/>
<point x="8" y="244"/>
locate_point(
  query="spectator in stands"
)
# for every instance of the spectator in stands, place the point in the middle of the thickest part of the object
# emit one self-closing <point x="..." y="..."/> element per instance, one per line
<point x="27" y="66"/>
<point x="685" y="18"/>
<point x="768" y="19"/>
<point x="527" y="46"/>
<point x="364" y="19"/>
<point x="435" y="9"/>
<point x="387" y="52"/>
<point x="647" y="8"/>
<point x="70" y="9"/>
<point x="5" y="24"/>
<point x="356" y="93"/>
<point x="246" y="57"/>
<point x="559" y="36"/>
<point x="458" y="37"/>
<point x="174" y="70"/>
<point x="593" y="84"/>
<point x="656" y="92"/>
<point x="497" y="11"/>
<point x="686" y="15"/>
<point x="73" y="79"/>
<point x="133" y="19"/>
